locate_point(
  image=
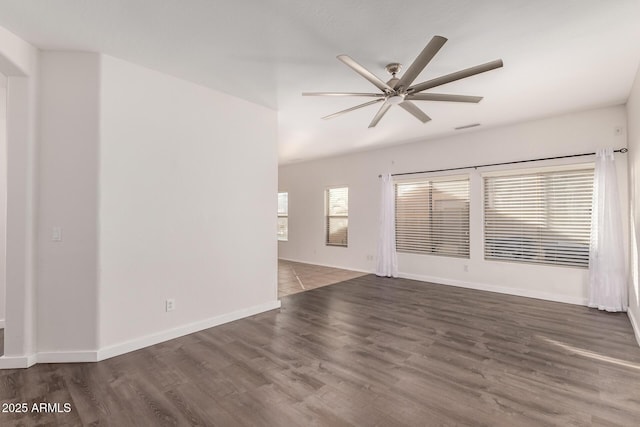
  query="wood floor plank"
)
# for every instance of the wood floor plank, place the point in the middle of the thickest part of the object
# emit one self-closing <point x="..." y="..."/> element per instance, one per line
<point x="364" y="352"/>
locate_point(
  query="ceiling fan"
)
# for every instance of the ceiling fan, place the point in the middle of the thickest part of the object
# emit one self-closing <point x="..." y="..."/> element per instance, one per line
<point x="399" y="91"/>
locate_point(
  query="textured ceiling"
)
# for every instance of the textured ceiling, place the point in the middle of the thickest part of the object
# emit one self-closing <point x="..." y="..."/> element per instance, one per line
<point x="559" y="56"/>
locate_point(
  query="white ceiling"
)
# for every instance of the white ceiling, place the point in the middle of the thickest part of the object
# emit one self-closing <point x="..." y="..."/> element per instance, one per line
<point x="559" y="56"/>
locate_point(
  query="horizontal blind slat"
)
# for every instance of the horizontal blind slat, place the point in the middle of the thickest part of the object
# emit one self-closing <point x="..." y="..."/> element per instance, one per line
<point x="432" y="217"/>
<point x="337" y="216"/>
<point x="283" y="213"/>
<point x="539" y="218"/>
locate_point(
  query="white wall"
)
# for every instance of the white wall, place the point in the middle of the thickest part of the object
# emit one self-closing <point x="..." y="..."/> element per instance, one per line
<point x="19" y="62"/>
<point x="162" y="188"/>
<point x="68" y="198"/>
<point x="188" y="182"/>
<point x="3" y="194"/>
<point x="555" y="136"/>
<point x="633" y="117"/>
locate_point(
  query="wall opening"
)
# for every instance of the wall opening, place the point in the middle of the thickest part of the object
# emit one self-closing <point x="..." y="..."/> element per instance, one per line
<point x="3" y="206"/>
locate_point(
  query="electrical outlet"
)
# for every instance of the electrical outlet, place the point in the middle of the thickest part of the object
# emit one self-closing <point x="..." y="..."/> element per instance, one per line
<point x="170" y="304"/>
<point x="56" y="234"/>
<point x="466" y="267"/>
<point x="617" y="131"/>
<point x="369" y="257"/>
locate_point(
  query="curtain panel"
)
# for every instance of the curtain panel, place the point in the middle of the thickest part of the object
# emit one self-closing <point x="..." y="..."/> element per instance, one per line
<point x="607" y="275"/>
<point x="387" y="258"/>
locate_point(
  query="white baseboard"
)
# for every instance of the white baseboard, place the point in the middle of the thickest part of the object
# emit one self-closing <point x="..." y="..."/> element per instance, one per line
<point x="1" y="323"/>
<point x="67" y="356"/>
<point x="499" y="289"/>
<point x="635" y="325"/>
<point x="22" y="362"/>
<point x="326" y="265"/>
<point x="17" y="362"/>
<point x="138" y="343"/>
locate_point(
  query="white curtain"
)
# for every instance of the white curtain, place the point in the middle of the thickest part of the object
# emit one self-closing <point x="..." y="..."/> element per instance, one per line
<point x="387" y="259"/>
<point x="607" y="276"/>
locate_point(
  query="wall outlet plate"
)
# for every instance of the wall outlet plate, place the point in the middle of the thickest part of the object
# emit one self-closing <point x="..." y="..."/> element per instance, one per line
<point x="170" y="304"/>
<point x="56" y="234"/>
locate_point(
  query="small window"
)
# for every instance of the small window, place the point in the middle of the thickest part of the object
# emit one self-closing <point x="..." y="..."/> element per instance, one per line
<point x="432" y="216"/>
<point x="283" y="216"/>
<point x="337" y="216"/>
<point x="539" y="218"/>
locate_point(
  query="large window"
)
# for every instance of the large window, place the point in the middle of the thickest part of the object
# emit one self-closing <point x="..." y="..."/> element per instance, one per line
<point x="283" y="216"/>
<point x="337" y="216"/>
<point x="432" y="216"/>
<point x="542" y="218"/>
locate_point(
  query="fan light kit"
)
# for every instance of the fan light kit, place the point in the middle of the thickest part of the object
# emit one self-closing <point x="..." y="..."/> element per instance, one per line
<point x="399" y="91"/>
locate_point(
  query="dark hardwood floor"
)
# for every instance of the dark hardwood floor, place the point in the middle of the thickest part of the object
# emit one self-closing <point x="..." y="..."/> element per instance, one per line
<point x="364" y="352"/>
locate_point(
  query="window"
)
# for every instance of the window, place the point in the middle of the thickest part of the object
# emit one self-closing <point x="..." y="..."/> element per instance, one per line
<point x="283" y="216"/>
<point x="432" y="217"/>
<point x="337" y="216"/>
<point x="542" y="218"/>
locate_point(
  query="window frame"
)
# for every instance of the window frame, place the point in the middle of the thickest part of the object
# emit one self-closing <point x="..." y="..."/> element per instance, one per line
<point x="285" y="216"/>
<point x="328" y="217"/>
<point x="541" y="259"/>
<point x="436" y="245"/>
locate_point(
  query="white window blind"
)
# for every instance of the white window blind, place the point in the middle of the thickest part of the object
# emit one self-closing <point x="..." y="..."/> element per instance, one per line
<point x="542" y="218"/>
<point x="432" y="217"/>
<point x="337" y="216"/>
<point x="283" y="216"/>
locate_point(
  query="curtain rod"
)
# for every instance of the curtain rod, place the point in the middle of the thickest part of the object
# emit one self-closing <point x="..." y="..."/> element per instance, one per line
<point x="620" y="150"/>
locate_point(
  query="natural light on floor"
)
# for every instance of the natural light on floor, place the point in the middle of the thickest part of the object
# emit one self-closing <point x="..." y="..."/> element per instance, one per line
<point x="591" y="354"/>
